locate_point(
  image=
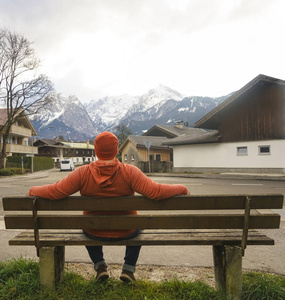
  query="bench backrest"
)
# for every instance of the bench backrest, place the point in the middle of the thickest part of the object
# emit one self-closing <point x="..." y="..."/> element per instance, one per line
<point x="183" y="212"/>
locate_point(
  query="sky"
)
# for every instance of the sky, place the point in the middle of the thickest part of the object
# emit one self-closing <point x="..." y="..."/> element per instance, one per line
<point x="97" y="48"/>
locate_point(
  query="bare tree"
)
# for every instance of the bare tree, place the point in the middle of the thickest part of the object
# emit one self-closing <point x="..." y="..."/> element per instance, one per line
<point x="22" y="88"/>
<point x="122" y="132"/>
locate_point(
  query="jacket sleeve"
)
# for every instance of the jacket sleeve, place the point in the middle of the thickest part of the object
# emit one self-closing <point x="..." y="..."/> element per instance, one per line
<point x="61" y="189"/>
<point x="145" y="186"/>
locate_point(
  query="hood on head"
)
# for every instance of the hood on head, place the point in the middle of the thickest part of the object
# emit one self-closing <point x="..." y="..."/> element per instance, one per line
<point x="106" y="145"/>
<point x="104" y="174"/>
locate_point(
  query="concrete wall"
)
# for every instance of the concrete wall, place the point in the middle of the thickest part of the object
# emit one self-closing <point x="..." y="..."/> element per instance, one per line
<point x="130" y="155"/>
<point x="224" y="156"/>
<point x="133" y="155"/>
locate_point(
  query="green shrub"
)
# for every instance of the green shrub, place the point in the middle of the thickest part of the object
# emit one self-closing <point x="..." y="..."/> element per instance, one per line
<point x="43" y="163"/>
<point x="17" y="170"/>
<point x="40" y="163"/>
<point x="5" y="172"/>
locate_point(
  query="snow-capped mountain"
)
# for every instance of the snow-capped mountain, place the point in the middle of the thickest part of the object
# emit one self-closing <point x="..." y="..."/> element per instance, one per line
<point x="65" y="117"/>
<point x="69" y="118"/>
<point x="108" y="110"/>
<point x="154" y="98"/>
<point x="189" y="110"/>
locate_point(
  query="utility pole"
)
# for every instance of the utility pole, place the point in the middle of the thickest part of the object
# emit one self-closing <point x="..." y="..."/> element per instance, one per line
<point x="148" y="144"/>
<point x="32" y="158"/>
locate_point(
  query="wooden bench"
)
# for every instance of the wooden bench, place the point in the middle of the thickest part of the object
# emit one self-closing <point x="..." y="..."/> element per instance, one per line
<point x="226" y="222"/>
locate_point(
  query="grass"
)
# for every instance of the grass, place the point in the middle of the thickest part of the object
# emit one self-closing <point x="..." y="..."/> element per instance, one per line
<point x="19" y="279"/>
<point x="261" y="286"/>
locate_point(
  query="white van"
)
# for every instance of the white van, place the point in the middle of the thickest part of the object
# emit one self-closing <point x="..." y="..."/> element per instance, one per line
<point x="66" y="165"/>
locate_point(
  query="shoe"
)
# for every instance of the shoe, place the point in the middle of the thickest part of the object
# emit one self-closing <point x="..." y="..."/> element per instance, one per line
<point x="102" y="274"/>
<point x="127" y="276"/>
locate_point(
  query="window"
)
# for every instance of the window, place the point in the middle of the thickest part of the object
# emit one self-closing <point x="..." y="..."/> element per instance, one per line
<point x="125" y="157"/>
<point x="158" y="157"/>
<point x="151" y="157"/>
<point x="241" y="150"/>
<point x="132" y="157"/>
<point x="263" y="150"/>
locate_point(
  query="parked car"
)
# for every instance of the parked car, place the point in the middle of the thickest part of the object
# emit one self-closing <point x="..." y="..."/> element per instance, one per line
<point x="66" y="165"/>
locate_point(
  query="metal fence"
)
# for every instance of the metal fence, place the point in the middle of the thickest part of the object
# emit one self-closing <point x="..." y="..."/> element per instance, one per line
<point x="156" y="166"/>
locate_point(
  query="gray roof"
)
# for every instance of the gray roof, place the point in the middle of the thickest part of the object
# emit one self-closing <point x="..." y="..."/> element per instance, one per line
<point x="139" y="141"/>
<point x="156" y="141"/>
<point x="50" y="143"/>
<point x="195" y="137"/>
<point x="46" y="141"/>
<point x="174" y="131"/>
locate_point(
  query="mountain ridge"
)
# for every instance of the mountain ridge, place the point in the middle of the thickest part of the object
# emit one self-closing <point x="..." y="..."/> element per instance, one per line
<point x="70" y="118"/>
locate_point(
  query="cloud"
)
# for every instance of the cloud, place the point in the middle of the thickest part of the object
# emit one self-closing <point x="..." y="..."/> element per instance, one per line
<point x="94" y="48"/>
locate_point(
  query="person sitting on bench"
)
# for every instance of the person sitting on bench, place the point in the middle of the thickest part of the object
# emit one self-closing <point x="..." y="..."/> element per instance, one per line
<point x="108" y="177"/>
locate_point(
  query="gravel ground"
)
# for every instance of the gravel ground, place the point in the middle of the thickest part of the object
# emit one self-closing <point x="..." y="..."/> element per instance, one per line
<point x="149" y="272"/>
<point x="153" y="273"/>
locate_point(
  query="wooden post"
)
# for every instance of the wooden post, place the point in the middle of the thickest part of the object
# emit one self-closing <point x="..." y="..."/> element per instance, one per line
<point x="228" y="270"/>
<point x="51" y="266"/>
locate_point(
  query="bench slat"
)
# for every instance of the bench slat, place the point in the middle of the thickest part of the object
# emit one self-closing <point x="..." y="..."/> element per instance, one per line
<point x="274" y="201"/>
<point x="117" y="222"/>
<point x="52" y="238"/>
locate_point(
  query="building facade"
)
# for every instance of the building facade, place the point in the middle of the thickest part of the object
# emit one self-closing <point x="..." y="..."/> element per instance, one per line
<point x="248" y="133"/>
<point x="19" y="134"/>
<point x="80" y="153"/>
<point x="139" y="150"/>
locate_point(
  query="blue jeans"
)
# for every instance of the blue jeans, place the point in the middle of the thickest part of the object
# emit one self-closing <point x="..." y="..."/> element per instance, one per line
<point x="131" y="254"/>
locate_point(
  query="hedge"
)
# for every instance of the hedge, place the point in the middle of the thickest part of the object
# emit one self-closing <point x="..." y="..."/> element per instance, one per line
<point x="5" y="172"/>
<point x="40" y="163"/>
<point x="11" y="171"/>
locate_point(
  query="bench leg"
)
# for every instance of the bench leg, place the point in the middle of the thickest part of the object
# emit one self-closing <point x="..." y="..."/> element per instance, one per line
<point x="51" y="263"/>
<point x="228" y="270"/>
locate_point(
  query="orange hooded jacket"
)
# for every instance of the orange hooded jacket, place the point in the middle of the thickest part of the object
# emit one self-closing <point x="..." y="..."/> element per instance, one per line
<point x="113" y="179"/>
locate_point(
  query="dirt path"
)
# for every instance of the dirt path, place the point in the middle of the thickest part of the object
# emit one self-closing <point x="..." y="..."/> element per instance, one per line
<point x="149" y="272"/>
<point x="152" y="272"/>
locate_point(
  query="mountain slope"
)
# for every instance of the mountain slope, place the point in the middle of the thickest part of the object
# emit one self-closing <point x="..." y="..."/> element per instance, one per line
<point x="189" y="109"/>
<point x="71" y="119"/>
<point x="66" y="117"/>
<point x="106" y="111"/>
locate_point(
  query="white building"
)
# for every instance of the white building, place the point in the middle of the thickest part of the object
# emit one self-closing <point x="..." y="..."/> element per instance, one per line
<point x="246" y="133"/>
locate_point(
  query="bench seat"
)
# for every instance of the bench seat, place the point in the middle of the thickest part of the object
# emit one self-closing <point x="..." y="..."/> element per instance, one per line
<point x="50" y="238"/>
